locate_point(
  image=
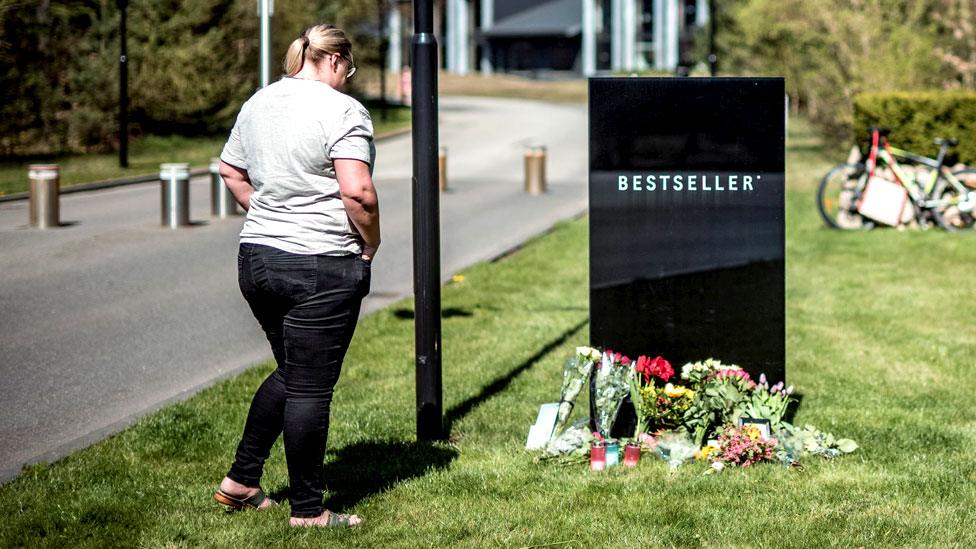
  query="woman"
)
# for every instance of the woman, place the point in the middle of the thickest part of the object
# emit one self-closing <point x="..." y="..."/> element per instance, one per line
<point x="299" y="160"/>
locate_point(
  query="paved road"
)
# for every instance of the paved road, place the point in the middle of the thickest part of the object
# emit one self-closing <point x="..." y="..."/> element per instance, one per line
<point x="111" y="316"/>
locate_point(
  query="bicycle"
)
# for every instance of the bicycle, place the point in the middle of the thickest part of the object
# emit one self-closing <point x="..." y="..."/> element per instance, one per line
<point x="932" y="191"/>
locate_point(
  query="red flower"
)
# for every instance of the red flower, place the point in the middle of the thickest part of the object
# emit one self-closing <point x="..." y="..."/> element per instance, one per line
<point x="643" y="366"/>
<point x="661" y="368"/>
<point x="658" y="367"/>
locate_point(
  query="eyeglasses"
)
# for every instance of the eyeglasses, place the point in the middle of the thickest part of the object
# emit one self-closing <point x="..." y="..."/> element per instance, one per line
<point x="352" y="68"/>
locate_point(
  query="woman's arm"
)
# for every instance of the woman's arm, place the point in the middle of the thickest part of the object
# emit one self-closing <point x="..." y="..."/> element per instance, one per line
<point x="359" y="198"/>
<point x="238" y="183"/>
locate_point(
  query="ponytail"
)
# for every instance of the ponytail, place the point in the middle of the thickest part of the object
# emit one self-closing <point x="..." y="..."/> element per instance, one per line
<point x="315" y="44"/>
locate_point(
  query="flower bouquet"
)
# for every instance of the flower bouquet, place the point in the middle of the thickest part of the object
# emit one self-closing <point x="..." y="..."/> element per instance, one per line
<point x="643" y="392"/>
<point x="609" y="385"/>
<point x="576" y="372"/>
<point x="744" y="446"/>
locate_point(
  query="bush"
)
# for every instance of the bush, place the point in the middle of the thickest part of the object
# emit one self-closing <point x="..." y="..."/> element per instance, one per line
<point x="191" y="65"/>
<point x="917" y="118"/>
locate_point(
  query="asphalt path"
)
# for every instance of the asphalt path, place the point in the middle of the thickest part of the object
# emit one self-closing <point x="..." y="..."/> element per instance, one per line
<point x="112" y="316"/>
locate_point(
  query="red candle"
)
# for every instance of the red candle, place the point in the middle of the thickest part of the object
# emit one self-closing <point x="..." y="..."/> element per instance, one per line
<point x="631" y="455"/>
<point x="598" y="457"/>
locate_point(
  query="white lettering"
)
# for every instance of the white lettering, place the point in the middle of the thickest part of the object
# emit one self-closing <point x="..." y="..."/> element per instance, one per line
<point x="687" y="182"/>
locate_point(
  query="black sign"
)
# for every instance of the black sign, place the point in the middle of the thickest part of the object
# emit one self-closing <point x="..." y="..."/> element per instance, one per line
<point x="687" y="219"/>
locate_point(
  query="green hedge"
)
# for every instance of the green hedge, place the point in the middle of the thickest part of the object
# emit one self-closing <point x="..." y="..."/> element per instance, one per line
<point x="917" y="118"/>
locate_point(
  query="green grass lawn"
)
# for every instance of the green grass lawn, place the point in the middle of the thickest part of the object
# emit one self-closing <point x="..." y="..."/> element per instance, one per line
<point x="880" y="345"/>
<point x="147" y="153"/>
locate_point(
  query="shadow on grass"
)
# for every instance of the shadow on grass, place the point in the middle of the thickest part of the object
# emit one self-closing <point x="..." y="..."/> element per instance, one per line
<point x="366" y="468"/>
<point x="462" y="409"/>
<point x="363" y="469"/>
<point x="450" y="312"/>
<point x="793" y="408"/>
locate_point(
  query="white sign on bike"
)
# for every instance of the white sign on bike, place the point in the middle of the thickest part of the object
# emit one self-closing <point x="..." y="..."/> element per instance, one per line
<point x="883" y="201"/>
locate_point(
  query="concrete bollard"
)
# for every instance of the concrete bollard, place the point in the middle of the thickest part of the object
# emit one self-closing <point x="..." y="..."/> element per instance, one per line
<point x="442" y="169"/>
<point x="175" y="194"/>
<point x="45" y="191"/>
<point x="535" y="170"/>
<point x="222" y="202"/>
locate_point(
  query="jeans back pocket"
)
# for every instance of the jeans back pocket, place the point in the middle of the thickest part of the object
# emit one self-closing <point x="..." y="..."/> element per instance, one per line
<point x="291" y="276"/>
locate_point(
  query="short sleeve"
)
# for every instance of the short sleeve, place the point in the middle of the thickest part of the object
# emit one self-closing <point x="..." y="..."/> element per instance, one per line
<point x="234" y="153"/>
<point x="354" y="136"/>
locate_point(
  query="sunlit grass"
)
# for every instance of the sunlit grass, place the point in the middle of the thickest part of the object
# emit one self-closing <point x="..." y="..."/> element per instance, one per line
<point x="880" y="343"/>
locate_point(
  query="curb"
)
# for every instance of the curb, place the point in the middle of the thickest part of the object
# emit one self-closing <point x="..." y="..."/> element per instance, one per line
<point x="121" y="182"/>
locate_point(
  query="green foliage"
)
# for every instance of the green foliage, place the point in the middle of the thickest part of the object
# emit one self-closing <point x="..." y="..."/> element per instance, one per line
<point x="917" y="118"/>
<point x="191" y="65"/>
<point x="829" y="51"/>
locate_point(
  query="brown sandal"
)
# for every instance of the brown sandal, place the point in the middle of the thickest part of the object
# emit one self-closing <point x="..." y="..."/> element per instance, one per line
<point x="237" y="504"/>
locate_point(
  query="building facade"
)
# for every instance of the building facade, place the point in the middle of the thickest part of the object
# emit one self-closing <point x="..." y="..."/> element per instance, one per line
<point x="571" y="37"/>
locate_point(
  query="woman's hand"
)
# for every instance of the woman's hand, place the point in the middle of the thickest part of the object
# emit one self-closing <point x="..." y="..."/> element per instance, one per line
<point x="368" y="253"/>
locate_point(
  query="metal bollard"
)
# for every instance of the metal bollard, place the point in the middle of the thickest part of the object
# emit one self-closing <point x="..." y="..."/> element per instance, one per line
<point x="175" y="194"/>
<point x="535" y="170"/>
<point x="222" y="202"/>
<point x="45" y="190"/>
<point x="442" y="169"/>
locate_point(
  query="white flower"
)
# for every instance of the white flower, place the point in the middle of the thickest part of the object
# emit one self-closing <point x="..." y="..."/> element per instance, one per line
<point x="588" y="353"/>
<point x="718" y="466"/>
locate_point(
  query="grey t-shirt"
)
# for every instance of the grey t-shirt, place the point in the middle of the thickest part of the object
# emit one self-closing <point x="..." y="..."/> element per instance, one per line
<point x="287" y="136"/>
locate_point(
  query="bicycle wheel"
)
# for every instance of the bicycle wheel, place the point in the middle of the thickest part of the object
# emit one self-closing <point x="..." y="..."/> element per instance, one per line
<point x="837" y="197"/>
<point x="953" y="209"/>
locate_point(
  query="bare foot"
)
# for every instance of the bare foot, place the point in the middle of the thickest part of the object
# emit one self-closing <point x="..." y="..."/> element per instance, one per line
<point x="239" y="491"/>
<point x="326" y="519"/>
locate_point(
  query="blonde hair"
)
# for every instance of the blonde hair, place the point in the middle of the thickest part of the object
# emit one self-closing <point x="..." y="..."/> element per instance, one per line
<point x="315" y="44"/>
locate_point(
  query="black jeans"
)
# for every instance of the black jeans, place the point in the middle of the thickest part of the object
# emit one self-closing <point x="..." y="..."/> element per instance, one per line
<point x="308" y="306"/>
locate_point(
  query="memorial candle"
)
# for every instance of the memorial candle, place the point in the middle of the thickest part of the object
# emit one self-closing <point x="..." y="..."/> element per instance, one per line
<point x="598" y="456"/>
<point x="631" y="455"/>
<point x="613" y="453"/>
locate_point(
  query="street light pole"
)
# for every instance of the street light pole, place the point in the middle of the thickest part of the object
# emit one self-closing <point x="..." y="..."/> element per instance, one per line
<point x="426" y="226"/>
<point x="123" y="88"/>
<point x="265" y="11"/>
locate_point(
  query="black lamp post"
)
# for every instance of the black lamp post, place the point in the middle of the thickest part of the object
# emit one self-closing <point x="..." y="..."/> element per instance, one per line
<point x="123" y="89"/>
<point x="426" y="226"/>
